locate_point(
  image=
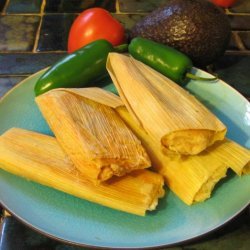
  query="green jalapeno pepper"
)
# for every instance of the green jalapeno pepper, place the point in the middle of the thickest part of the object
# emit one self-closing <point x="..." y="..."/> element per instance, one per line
<point x="79" y="69"/>
<point x="164" y="59"/>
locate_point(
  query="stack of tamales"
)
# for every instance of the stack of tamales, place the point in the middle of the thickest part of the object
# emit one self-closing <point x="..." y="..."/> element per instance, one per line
<point x="103" y="143"/>
<point x="192" y="178"/>
<point x="185" y="141"/>
<point x="39" y="158"/>
<point x="92" y="149"/>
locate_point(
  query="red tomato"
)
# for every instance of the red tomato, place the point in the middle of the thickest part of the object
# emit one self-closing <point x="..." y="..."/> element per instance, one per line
<point x="94" y="24"/>
<point x="224" y="3"/>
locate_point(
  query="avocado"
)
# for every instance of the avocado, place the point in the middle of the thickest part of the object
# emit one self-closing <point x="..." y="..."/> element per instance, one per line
<point x="197" y="28"/>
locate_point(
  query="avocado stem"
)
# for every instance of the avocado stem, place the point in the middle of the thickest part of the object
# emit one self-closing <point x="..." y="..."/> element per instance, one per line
<point x="194" y="77"/>
<point x="121" y="48"/>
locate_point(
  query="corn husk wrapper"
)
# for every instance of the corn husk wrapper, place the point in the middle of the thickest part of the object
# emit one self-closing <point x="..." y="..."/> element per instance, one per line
<point x="167" y="112"/>
<point x="39" y="158"/>
<point x="233" y="155"/>
<point x="192" y="178"/>
<point x="91" y="133"/>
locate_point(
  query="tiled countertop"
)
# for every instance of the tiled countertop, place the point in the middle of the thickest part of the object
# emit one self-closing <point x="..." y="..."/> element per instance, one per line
<point x="33" y="35"/>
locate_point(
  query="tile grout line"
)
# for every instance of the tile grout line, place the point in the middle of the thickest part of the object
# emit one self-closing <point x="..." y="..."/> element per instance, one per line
<point x="5" y="6"/>
<point x="34" y="50"/>
<point x="3" y="52"/>
<point x="227" y="11"/>
<point x="14" y="75"/>
<point x="117" y="12"/>
<point x="238" y="52"/>
<point x="117" y="7"/>
<point x="72" y="13"/>
<point x="20" y="14"/>
<point x="237" y="39"/>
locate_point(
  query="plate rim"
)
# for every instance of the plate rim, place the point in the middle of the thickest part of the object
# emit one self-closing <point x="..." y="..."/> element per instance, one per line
<point x="8" y="92"/>
<point x="72" y="243"/>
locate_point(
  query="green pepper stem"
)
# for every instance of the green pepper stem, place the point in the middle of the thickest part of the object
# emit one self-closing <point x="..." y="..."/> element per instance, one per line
<point x="121" y="48"/>
<point x="194" y="77"/>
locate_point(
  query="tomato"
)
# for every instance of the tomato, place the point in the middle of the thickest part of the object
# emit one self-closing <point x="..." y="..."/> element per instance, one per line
<point x="94" y="24"/>
<point x="224" y="3"/>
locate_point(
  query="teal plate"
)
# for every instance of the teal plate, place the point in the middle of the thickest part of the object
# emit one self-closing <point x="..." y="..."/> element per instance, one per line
<point x="80" y="222"/>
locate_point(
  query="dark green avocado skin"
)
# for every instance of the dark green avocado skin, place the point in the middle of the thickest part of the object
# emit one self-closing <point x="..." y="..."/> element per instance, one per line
<point x="195" y="27"/>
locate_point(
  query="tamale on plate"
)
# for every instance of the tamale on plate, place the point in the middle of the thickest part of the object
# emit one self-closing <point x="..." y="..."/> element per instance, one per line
<point x="232" y="154"/>
<point x="175" y="118"/>
<point x="92" y="134"/>
<point x="192" y="178"/>
<point x="39" y="158"/>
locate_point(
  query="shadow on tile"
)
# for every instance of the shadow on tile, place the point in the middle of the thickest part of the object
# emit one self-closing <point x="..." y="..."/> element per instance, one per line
<point x="77" y="6"/>
<point x="54" y="32"/>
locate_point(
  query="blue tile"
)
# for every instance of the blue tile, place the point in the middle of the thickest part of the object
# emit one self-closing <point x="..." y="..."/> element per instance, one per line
<point x="77" y="6"/>
<point x="24" y="6"/>
<point x="17" y="33"/>
<point x="241" y="6"/>
<point x="25" y="238"/>
<point x="245" y="37"/>
<point x="240" y="22"/>
<point x="26" y="64"/>
<point x="128" y="20"/>
<point x="233" y="43"/>
<point x="2" y="4"/>
<point x="139" y="5"/>
<point x="240" y="40"/>
<point x="234" y="69"/>
<point x="54" y="32"/>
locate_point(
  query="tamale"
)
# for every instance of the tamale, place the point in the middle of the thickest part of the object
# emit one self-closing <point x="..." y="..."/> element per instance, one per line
<point x="233" y="155"/>
<point x="39" y="158"/>
<point x="192" y="178"/>
<point x="92" y="134"/>
<point x="175" y="118"/>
